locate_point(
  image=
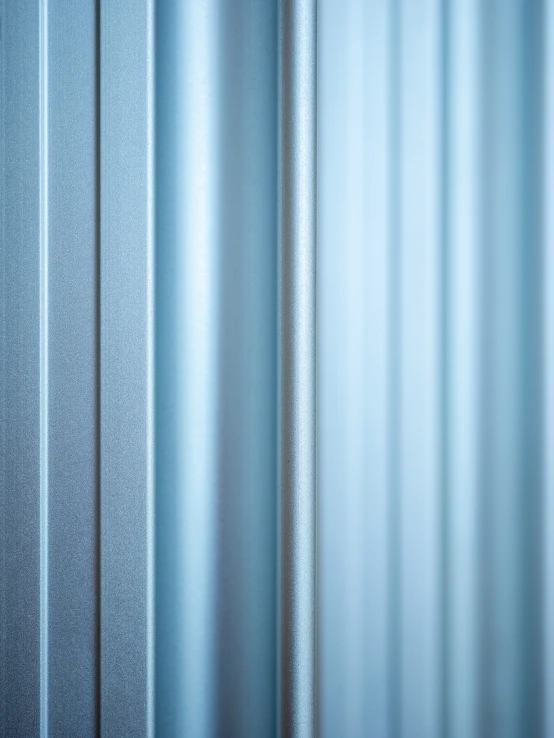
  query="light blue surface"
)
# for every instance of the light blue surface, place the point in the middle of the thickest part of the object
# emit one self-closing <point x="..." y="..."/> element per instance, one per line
<point x="434" y="368"/>
<point x="216" y="355"/>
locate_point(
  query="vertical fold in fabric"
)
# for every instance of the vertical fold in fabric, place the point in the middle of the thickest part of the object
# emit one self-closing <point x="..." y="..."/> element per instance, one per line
<point x="297" y="391"/>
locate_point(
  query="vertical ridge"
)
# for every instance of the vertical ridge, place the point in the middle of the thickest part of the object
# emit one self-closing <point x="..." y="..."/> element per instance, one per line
<point x="297" y="411"/>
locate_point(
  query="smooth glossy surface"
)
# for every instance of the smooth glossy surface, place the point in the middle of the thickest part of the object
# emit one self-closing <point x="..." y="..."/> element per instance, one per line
<point x="216" y="353"/>
<point x="434" y="368"/>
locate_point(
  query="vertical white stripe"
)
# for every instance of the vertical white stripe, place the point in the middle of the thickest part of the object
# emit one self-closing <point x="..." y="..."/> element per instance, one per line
<point x="197" y="228"/>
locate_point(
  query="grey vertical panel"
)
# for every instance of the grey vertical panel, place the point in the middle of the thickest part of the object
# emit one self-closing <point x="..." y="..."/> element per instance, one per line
<point x="20" y="368"/>
<point x="353" y="366"/>
<point x="297" y="265"/>
<point x="419" y="391"/>
<point x="126" y="363"/>
<point x="247" y="376"/>
<point x="187" y="283"/>
<point x="71" y="316"/>
<point x="462" y="250"/>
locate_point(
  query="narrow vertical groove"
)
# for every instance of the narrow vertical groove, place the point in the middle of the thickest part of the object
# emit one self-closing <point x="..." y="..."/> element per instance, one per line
<point x="98" y="537"/>
<point x="43" y="134"/>
<point x="150" y="378"/>
<point x="394" y="558"/>
<point x="297" y="303"/>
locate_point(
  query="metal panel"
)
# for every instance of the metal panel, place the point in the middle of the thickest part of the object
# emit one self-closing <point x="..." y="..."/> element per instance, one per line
<point x="297" y="264"/>
<point x="216" y="358"/>
<point x="126" y="455"/>
<point x="186" y="356"/>
<point x="21" y="375"/>
<point x="63" y="252"/>
<point x="70" y="237"/>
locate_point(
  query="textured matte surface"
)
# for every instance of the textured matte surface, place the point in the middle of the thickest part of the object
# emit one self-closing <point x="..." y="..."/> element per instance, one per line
<point x="20" y="369"/>
<point x="126" y="368"/>
<point x="74" y="628"/>
<point x="70" y="567"/>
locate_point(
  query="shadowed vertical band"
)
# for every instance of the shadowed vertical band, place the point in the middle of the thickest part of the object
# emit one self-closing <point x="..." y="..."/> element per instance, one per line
<point x="297" y="392"/>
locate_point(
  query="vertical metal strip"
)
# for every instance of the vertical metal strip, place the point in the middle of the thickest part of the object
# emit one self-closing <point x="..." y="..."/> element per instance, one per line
<point x="126" y="342"/>
<point x="246" y="383"/>
<point x="297" y="391"/>
<point x="69" y="367"/>
<point x="43" y="265"/>
<point x="21" y="384"/>
<point x="187" y="281"/>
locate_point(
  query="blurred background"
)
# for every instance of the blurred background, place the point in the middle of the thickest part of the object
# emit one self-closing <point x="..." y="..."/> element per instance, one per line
<point x="435" y="368"/>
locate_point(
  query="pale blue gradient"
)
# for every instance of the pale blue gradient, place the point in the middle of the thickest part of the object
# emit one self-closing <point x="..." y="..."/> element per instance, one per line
<point x="435" y="368"/>
<point x="216" y="368"/>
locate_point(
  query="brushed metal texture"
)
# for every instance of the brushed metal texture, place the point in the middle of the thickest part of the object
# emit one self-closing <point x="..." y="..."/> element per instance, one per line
<point x="297" y="379"/>
<point x="70" y="454"/>
<point x="126" y="460"/>
<point x="20" y="369"/>
<point x="62" y="250"/>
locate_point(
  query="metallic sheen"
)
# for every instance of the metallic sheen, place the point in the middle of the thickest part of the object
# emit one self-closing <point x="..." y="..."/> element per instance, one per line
<point x="297" y="368"/>
<point x="216" y="359"/>
<point x="76" y="368"/>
